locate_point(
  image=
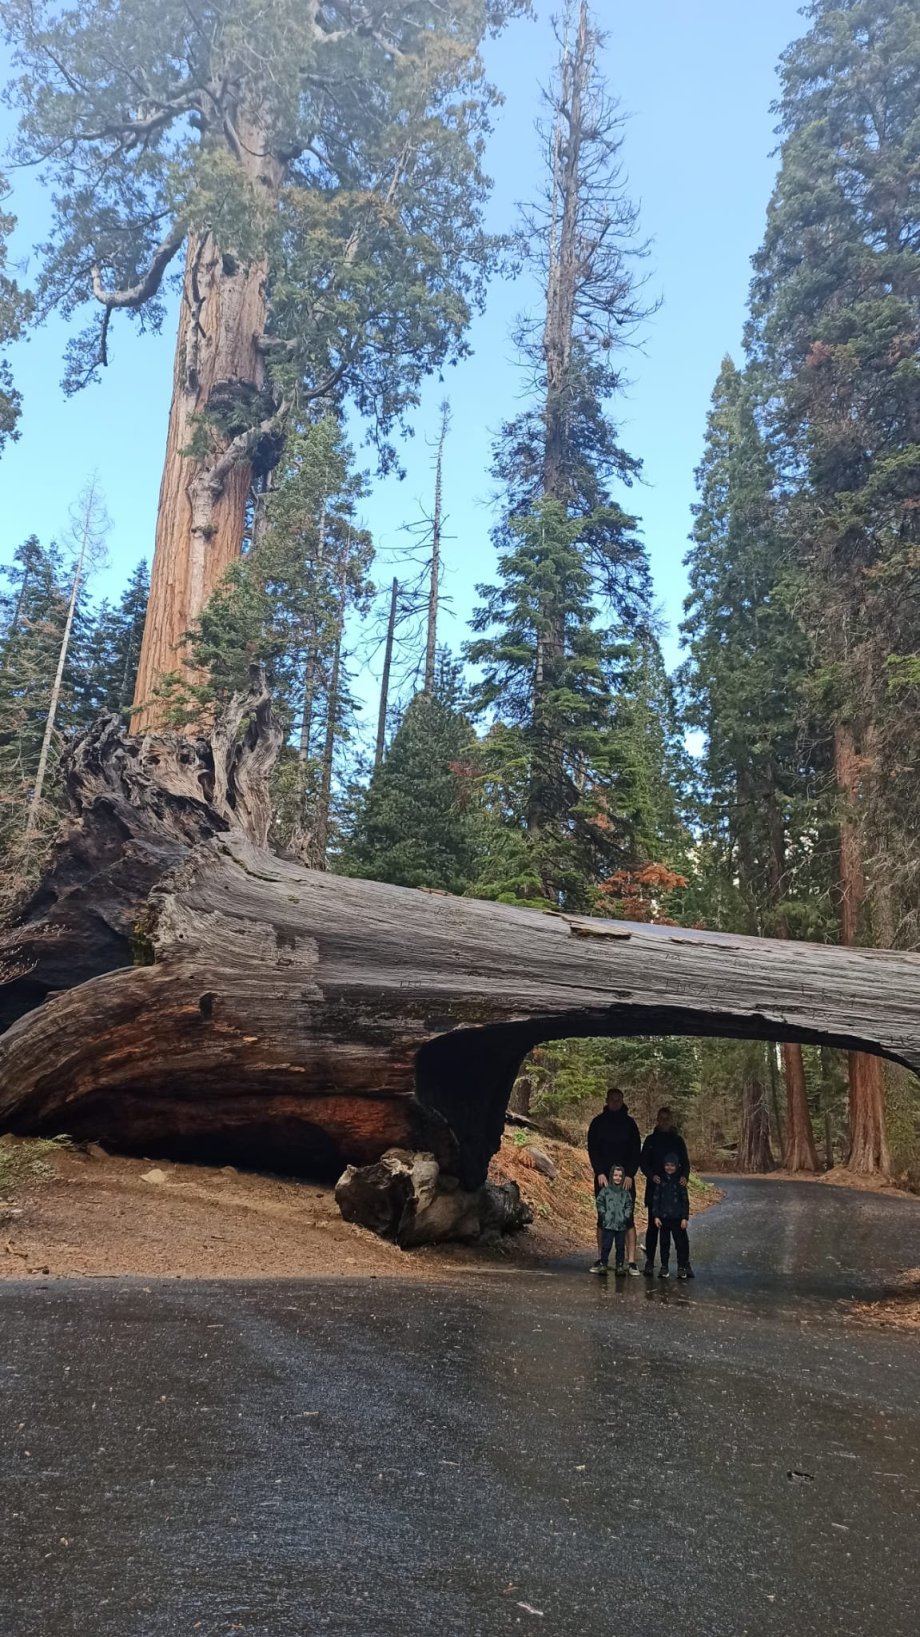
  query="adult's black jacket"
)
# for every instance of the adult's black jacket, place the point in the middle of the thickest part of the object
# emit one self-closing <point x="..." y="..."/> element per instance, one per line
<point x="613" y="1139"/>
<point x="655" y="1150"/>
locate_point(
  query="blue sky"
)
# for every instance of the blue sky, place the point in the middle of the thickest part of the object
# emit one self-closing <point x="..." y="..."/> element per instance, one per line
<point x="697" y="78"/>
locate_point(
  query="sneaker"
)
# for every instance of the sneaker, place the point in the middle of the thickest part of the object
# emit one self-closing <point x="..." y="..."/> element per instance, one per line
<point x="682" y="1273"/>
<point x="687" y="1272"/>
<point x="634" y="1270"/>
<point x="619" y="1269"/>
<point x="649" y="1270"/>
<point x="664" y="1274"/>
<point x="598" y="1267"/>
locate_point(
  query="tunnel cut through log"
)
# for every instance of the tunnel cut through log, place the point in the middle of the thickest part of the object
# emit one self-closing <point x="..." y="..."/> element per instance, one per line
<point x="173" y="988"/>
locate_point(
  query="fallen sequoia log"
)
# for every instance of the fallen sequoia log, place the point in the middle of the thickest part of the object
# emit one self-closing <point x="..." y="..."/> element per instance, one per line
<point x="179" y="990"/>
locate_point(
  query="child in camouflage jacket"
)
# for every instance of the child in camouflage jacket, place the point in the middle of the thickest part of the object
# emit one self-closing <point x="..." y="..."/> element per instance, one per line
<point x="614" y="1217"/>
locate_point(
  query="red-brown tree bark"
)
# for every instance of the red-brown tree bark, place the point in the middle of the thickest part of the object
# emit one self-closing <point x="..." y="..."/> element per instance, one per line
<point x="203" y="497"/>
<point x="754" y="1151"/>
<point x="868" y="1152"/>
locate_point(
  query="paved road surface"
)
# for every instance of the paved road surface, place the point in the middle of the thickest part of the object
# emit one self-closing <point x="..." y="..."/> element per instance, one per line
<point x="499" y="1454"/>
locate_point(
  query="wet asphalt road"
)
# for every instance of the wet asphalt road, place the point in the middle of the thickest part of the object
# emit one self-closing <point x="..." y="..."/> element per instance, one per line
<point x="499" y="1453"/>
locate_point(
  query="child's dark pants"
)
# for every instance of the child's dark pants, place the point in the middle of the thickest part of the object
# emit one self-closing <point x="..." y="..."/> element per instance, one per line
<point x="671" y="1225"/>
<point x="611" y="1237"/>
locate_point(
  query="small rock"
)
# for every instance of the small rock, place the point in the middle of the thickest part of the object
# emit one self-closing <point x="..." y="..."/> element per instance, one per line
<point x="540" y="1161"/>
<point x="96" y="1151"/>
<point x="154" y="1176"/>
<point x="229" y="1171"/>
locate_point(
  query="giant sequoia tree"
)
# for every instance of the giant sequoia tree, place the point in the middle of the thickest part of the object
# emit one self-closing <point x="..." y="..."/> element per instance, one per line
<point x="835" y="323"/>
<point x="305" y="173"/>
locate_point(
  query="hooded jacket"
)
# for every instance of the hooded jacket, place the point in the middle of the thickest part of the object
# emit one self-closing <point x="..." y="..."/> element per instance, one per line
<point x="613" y="1139"/>
<point x="615" y="1207"/>
<point x="655" y="1150"/>
<point x="670" y="1200"/>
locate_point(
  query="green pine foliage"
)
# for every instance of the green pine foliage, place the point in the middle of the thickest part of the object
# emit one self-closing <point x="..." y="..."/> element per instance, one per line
<point x="835" y="316"/>
<point x="764" y="765"/>
<point x="15" y="310"/>
<point x="112" y="650"/>
<point x="288" y="606"/>
<point x="419" y="824"/>
<point x="33" y="612"/>
<point x="556" y="763"/>
<point x="280" y="605"/>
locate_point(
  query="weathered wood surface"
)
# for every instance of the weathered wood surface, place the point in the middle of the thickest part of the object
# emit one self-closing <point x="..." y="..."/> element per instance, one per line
<point x="302" y="1021"/>
<point x="138" y="804"/>
<point x="406" y="1197"/>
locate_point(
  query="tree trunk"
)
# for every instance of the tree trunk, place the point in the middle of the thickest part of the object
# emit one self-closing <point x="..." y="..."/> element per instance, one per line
<point x="201" y="515"/>
<point x="561" y="290"/>
<point x="754" y="1151"/>
<point x="385" y="678"/>
<point x="801" y="1153"/>
<point x="774" y="1098"/>
<point x="244" y="1008"/>
<point x="38" y="787"/>
<point x="431" y="641"/>
<point x="827" y="1082"/>
<point x="558" y="340"/>
<point x="324" y="805"/>
<point x="868" y="1152"/>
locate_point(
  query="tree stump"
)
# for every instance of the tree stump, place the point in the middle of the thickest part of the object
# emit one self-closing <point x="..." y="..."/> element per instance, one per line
<point x="406" y="1197"/>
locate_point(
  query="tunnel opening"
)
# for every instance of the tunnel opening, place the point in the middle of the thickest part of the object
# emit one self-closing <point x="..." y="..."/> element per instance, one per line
<point x="473" y="1077"/>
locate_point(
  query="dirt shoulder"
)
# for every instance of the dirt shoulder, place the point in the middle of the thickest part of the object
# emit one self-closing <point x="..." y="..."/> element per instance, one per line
<point x="67" y="1211"/>
<point x="898" y="1310"/>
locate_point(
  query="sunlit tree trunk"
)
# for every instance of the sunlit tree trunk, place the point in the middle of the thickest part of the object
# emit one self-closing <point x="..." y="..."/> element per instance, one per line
<point x="201" y="515"/>
<point x="385" y="678"/>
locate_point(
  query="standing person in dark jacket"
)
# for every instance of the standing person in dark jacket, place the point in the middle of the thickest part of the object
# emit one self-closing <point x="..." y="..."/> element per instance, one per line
<point x="665" y="1139"/>
<point x="671" y="1208"/>
<point x="613" y="1139"/>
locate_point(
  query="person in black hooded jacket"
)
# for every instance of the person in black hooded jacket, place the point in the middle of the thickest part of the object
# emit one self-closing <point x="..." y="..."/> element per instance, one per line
<point x="665" y="1139"/>
<point x="671" y="1211"/>
<point x="613" y="1139"/>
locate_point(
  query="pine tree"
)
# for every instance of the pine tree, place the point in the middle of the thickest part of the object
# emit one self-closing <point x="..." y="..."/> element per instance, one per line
<point x="112" y="650"/>
<point x="418" y="825"/>
<point x="297" y="155"/>
<point x="90" y="524"/>
<point x="553" y="673"/>
<point x="745" y="682"/>
<point x="33" y="613"/>
<point x="558" y="772"/>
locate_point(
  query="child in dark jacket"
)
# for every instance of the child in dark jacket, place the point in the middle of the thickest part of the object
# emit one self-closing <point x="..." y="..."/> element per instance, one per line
<point x="670" y="1210"/>
<point x="614" y="1218"/>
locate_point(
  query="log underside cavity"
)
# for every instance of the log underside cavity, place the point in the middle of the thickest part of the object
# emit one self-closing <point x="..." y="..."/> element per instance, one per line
<point x="174" y="989"/>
